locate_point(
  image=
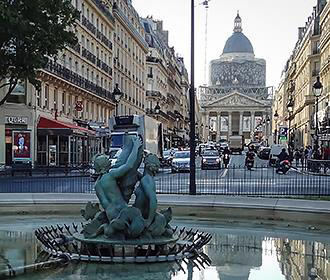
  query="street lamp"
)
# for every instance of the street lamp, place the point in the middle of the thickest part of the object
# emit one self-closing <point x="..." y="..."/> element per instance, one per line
<point x="275" y="131"/>
<point x="117" y="93"/>
<point x="317" y="90"/>
<point x="290" y="110"/>
<point x="157" y="110"/>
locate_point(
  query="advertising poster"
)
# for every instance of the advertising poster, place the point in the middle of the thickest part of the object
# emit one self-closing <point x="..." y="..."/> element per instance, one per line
<point x="224" y="122"/>
<point x="21" y="145"/>
<point x="246" y="123"/>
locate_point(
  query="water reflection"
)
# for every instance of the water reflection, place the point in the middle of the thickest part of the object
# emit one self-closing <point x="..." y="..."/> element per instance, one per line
<point x="237" y="255"/>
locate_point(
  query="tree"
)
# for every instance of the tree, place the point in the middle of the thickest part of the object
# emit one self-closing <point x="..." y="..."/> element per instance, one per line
<point x="31" y="31"/>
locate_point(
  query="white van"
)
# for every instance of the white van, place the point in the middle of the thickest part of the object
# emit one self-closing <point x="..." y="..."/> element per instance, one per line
<point x="275" y="150"/>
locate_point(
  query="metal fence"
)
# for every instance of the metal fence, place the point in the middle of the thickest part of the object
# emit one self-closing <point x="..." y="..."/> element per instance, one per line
<point x="261" y="181"/>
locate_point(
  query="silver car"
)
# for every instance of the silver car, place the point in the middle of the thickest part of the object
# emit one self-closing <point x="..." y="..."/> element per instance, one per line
<point x="181" y="161"/>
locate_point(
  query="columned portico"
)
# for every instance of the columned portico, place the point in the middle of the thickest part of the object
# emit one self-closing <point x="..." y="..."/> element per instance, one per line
<point x="236" y="114"/>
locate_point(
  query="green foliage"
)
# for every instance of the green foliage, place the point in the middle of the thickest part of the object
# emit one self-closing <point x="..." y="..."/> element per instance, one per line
<point x="31" y="30"/>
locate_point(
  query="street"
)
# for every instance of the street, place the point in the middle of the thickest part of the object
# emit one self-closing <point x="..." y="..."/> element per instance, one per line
<point x="262" y="180"/>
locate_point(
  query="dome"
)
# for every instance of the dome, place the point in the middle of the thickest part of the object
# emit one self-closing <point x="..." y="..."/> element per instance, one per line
<point x="238" y="42"/>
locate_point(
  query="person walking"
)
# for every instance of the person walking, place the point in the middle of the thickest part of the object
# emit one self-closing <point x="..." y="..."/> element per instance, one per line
<point x="297" y="156"/>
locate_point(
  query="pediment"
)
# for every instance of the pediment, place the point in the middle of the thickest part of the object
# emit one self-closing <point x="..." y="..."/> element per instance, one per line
<point x="236" y="99"/>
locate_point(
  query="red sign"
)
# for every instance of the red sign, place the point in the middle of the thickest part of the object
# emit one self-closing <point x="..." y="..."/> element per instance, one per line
<point x="21" y="145"/>
<point x="79" y="105"/>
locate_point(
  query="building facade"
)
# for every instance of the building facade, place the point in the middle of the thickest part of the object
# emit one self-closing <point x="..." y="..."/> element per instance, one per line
<point x="236" y="101"/>
<point x="325" y="76"/>
<point x="296" y="88"/>
<point x="167" y="85"/>
<point x="65" y="123"/>
<point x="129" y="58"/>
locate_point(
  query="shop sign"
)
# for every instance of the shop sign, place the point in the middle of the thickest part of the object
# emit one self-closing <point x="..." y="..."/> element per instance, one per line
<point x="79" y="105"/>
<point x="16" y="120"/>
<point x="21" y="145"/>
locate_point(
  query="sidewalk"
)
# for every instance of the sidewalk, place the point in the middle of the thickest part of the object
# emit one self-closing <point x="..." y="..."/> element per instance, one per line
<point x="185" y="206"/>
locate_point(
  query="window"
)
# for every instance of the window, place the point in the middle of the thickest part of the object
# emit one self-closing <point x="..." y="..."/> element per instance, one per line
<point x="70" y="63"/>
<point x="83" y="40"/>
<point x="38" y="97"/>
<point x="70" y="105"/>
<point x="55" y="98"/>
<point x="63" y="102"/>
<point x="47" y="96"/>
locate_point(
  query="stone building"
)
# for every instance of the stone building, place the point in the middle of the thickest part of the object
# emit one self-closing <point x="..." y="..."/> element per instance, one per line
<point x="167" y="85"/>
<point x="299" y="75"/>
<point x="236" y="101"/>
<point x="66" y="122"/>
<point x="129" y="58"/>
<point x="325" y="76"/>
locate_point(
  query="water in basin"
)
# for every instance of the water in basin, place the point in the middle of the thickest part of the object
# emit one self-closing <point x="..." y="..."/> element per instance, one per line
<point x="238" y="251"/>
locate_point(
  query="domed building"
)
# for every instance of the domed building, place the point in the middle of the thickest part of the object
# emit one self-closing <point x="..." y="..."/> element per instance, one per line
<point x="237" y="66"/>
<point x="236" y="101"/>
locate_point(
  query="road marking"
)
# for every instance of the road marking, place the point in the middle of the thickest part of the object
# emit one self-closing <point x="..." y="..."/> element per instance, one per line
<point x="224" y="173"/>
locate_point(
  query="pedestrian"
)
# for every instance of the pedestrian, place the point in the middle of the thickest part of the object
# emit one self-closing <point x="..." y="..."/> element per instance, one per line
<point x="297" y="156"/>
<point x="302" y="156"/>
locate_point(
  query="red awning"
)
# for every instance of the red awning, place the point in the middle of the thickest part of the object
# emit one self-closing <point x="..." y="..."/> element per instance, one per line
<point x="45" y="123"/>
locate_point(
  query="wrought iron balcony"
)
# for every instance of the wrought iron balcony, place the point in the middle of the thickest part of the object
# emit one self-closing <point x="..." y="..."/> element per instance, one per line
<point x="105" y="10"/>
<point x="87" y="54"/>
<point x="76" y="48"/>
<point x="77" y="80"/>
<point x="153" y="93"/>
<point x="152" y="112"/>
<point x="90" y="26"/>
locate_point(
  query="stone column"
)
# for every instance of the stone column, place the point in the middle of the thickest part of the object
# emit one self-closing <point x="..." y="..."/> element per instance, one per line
<point x="253" y="120"/>
<point x="229" y="123"/>
<point x="240" y="123"/>
<point x="218" y="125"/>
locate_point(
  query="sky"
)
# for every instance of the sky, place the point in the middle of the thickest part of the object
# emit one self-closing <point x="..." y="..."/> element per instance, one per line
<point x="271" y="26"/>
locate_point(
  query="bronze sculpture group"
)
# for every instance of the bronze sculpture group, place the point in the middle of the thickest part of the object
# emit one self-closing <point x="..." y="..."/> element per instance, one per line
<point x="114" y="188"/>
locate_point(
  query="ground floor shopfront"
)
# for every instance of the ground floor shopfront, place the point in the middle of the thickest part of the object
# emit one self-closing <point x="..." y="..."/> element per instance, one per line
<point x="64" y="144"/>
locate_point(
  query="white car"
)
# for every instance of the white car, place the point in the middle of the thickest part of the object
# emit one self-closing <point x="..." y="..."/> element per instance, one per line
<point x="181" y="161"/>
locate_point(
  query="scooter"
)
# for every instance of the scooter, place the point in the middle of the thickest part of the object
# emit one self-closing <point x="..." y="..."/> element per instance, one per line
<point x="249" y="163"/>
<point x="226" y="159"/>
<point x="283" y="167"/>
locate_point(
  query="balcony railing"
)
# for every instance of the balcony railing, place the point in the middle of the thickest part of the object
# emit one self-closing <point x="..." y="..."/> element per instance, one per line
<point x="90" y="26"/>
<point x="77" y="80"/>
<point x="87" y="54"/>
<point x="162" y="114"/>
<point x="104" y="10"/>
<point x="153" y="93"/>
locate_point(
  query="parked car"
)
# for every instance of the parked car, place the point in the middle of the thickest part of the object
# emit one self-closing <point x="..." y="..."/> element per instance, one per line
<point x="181" y="161"/>
<point x="264" y="153"/>
<point x="211" y="159"/>
<point x="274" y="152"/>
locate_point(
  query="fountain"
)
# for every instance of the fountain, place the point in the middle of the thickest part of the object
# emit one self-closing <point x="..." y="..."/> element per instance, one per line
<point x="120" y="232"/>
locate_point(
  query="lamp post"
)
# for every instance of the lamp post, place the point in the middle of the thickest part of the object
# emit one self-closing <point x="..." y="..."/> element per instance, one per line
<point x="317" y="90"/>
<point x="192" y="143"/>
<point x="157" y="110"/>
<point x="275" y="131"/>
<point x="290" y="109"/>
<point x="117" y="96"/>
